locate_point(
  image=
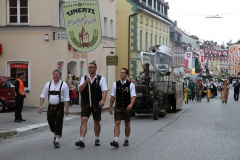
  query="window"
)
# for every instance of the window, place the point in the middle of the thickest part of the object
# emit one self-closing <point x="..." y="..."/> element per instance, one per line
<point x="163" y="40"/>
<point x="105" y="26"/>
<point x="141" y="39"/>
<point x="163" y="27"/>
<point x="17" y="11"/>
<point x="235" y="63"/>
<point x="146" y="40"/>
<point x="147" y="21"/>
<point x="152" y="24"/>
<point x="20" y="67"/>
<point x="151" y="39"/>
<point x="235" y="71"/>
<point x="156" y="25"/>
<point x="166" y="41"/>
<point x="141" y="19"/>
<point x="160" y="27"/>
<point x="160" y="39"/>
<point x="111" y="23"/>
<point x="3" y="86"/>
<point x="61" y="19"/>
<point x="156" y="38"/>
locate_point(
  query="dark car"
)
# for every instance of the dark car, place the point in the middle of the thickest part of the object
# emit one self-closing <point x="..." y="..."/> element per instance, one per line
<point x="7" y="94"/>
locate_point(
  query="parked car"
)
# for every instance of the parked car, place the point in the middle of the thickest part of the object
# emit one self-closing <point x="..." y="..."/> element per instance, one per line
<point x="7" y="94"/>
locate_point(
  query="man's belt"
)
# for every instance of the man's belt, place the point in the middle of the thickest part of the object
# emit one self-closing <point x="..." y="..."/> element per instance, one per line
<point x="55" y="105"/>
<point x="54" y="92"/>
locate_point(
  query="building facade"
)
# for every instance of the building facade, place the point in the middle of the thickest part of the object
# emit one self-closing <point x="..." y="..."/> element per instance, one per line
<point x="235" y="56"/>
<point x="33" y="39"/>
<point x="144" y="23"/>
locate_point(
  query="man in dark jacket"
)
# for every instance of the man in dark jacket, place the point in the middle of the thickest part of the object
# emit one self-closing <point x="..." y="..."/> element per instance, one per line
<point x="19" y="97"/>
<point x="236" y="90"/>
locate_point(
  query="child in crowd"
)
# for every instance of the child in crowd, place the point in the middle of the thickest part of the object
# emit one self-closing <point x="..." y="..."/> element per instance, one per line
<point x="208" y="92"/>
<point x="186" y="91"/>
<point x="74" y="97"/>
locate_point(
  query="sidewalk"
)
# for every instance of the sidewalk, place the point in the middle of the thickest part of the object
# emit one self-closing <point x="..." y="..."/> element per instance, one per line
<point x="34" y="120"/>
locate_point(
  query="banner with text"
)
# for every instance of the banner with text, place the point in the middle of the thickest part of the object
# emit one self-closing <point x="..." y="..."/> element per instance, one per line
<point x="82" y="24"/>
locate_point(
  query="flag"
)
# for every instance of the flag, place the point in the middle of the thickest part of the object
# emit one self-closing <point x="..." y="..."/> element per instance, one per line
<point x="188" y="60"/>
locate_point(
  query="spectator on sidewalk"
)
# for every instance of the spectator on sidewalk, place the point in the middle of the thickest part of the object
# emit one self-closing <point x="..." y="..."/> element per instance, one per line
<point x="19" y="97"/>
<point x="73" y="96"/>
<point x="76" y="89"/>
<point x="57" y="93"/>
<point x="70" y="85"/>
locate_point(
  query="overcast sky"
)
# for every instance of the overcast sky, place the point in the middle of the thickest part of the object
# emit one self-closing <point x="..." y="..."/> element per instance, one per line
<point x="190" y="16"/>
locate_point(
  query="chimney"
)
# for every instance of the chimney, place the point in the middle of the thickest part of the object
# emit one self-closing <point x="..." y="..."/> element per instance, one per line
<point x="175" y="21"/>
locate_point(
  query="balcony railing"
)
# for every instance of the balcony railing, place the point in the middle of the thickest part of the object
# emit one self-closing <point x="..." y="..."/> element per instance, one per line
<point x="153" y="8"/>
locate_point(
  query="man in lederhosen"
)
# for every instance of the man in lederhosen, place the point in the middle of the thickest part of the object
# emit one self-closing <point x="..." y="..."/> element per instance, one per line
<point x="124" y="93"/>
<point x="198" y="90"/>
<point x="57" y="92"/>
<point x="19" y="97"/>
<point x="98" y="89"/>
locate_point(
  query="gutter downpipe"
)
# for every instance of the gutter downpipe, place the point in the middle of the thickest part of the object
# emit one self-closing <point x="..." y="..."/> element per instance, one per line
<point x="129" y="19"/>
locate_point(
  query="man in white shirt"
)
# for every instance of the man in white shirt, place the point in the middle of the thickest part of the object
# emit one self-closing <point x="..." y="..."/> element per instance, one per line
<point x="58" y="93"/>
<point x="124" y="93"/>
<point x="98" y="89"/>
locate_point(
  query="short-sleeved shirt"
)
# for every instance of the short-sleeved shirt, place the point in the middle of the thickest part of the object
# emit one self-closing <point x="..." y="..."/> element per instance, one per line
<point x="54" y="99"/>
<point x="102" y="83"/>
<point x="132" y="90"/>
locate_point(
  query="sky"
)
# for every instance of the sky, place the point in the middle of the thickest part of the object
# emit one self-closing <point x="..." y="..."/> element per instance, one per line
<point x="190" y="16"/>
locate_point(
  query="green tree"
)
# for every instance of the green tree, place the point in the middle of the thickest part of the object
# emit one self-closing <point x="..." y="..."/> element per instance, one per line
<point x="197" y="66"/>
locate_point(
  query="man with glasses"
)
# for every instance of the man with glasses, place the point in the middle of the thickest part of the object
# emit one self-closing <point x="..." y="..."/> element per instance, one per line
<point x="124" y="93"/>
<point x="98" y="94"/>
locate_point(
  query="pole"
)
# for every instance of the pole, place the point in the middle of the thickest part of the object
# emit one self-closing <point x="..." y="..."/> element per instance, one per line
<point x="89" y="88"/>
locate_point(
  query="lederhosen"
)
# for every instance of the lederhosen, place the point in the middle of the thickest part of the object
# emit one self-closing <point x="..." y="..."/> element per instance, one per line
<point x="96" y="97"/>
<point x="55" y="112"/>
<point x="123" y="99"/>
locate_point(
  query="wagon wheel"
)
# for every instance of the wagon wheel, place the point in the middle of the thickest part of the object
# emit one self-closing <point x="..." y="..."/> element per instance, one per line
<point x="155" y="111"/>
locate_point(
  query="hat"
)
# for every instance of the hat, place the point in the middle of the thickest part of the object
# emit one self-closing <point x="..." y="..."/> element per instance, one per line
<point x="20" y="73"/>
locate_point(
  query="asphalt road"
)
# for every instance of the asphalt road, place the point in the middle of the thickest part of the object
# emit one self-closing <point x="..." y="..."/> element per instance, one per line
<point x="199" y="131"/>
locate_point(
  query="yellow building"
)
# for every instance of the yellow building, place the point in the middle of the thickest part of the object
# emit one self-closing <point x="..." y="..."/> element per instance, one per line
<point x="140" y="25"/>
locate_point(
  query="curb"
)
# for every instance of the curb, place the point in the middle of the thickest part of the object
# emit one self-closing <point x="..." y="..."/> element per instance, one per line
<point x="7" y="132"/>
<point x="78" y="112"/>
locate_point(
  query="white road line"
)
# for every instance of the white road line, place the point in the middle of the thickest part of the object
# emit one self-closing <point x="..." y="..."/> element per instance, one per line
<point x="34" y="126"/>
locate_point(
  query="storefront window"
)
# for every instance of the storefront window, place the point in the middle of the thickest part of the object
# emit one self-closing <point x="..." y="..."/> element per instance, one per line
<point x="18" y="67"/>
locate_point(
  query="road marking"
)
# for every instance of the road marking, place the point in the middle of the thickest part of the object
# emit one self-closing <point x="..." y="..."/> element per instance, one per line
<point x="34" y="126"/>
<point x="22" y="129"/>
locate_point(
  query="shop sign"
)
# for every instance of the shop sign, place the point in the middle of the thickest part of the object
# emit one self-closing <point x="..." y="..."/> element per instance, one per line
<point x="112" y="60"/>
<point x="19" y="66"/>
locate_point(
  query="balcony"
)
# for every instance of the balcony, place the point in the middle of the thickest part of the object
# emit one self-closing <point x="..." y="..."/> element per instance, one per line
<point x="153" y="7"/>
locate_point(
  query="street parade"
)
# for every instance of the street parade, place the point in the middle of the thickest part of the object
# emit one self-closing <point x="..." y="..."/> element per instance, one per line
<point x="119" y="79"/>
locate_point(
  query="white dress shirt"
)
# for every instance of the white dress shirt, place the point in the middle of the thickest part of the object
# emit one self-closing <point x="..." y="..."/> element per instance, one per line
<point x="132" y="89"/>
<point x="54" y="99"/>
<point x="102" y="83"/>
